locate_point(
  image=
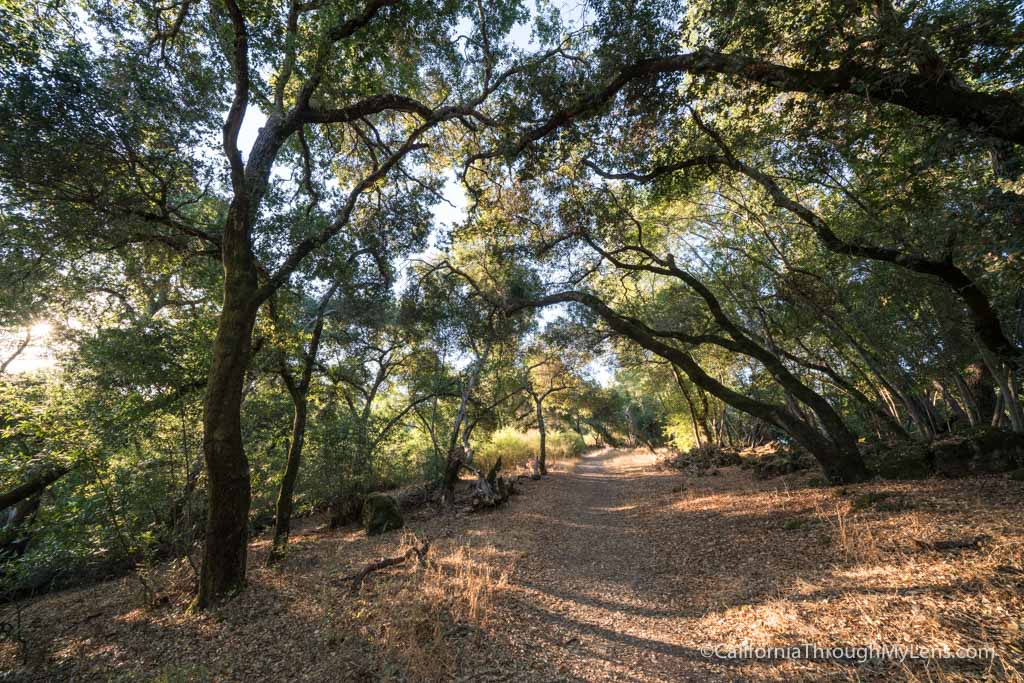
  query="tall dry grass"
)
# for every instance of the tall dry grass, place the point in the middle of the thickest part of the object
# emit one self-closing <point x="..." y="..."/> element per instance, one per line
<point x="517" y="448"/>
<point x="426" y="614"/>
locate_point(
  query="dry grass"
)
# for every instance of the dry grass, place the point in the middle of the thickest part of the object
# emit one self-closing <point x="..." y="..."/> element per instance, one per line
<point x="419" y="620"/>
<point x="609" y="570"/>
<point x="517" y="448"/>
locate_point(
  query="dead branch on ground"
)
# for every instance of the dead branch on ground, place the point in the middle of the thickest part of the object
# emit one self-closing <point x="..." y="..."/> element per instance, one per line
<point x="420" y="553"/>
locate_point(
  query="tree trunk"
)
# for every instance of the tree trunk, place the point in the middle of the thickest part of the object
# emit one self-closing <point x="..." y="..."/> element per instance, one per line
<point x="968" y="399"/>
<point x="999" y="416"/>
<point x="707" y="418"/>
<point x="299" y="391"/>
<point x="982" y="392"/>
<point x="689" y="403"/>
<point x="283" y="517"/>
<point x="693" y="421"/>
<point x="1004" y="380"/>
<point x="456" y="459"/>
<point x="15" y="527"/>
<point x="957" y="410"/>
<point x="842" y="462"/>
<point x="542" y="460"/>
<point x="228" y="486"/>
<point x="576" y="426"/>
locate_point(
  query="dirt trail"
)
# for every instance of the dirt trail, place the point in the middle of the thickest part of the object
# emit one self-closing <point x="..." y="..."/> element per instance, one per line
<point x="612" y="586"/>
<point x="632" y="573"/>
<point x="615" y="570"/>
<point x="605" y="586"/>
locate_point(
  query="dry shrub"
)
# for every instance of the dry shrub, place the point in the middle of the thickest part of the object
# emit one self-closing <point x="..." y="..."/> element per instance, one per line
<point x="853" y="538"/>
<point x="516" y="448"/>
<point x="430" y="614"/>
<point x="466" y="583"/>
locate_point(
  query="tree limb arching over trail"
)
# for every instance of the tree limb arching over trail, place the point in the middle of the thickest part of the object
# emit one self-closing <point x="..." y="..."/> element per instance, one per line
<point x="639" y="295"/>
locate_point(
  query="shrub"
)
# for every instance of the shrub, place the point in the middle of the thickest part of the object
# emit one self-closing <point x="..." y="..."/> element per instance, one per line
<point x="512" y="446"/>
<point x="564" y="445"/>
<point x="516" y="448"/>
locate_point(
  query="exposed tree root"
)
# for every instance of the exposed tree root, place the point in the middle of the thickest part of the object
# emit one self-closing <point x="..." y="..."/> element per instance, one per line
<point x="357" y="578"/>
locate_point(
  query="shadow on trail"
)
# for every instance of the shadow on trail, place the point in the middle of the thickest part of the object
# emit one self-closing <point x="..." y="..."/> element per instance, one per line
<point x="619" y="565"/>
<point x="617" y="571"/>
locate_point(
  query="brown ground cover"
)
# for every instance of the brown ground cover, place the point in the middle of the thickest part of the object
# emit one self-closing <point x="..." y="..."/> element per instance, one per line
<point x="612" y="569"/>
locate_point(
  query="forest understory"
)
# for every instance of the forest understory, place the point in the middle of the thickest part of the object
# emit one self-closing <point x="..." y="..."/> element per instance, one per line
<point x="649" y="340"/>
<point x="614" y="568"/>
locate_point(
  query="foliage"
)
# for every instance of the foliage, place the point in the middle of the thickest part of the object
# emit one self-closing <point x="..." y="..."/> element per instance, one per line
<point x="517" y="448"/>
<point x="707" y="224"/>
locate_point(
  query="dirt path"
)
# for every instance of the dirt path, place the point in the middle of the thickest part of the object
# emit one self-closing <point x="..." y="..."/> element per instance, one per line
<point x="614" y="586"/>
<point x="609" y="570"/>
<point x="605" y="586"/>
<point x="631" y="573"/>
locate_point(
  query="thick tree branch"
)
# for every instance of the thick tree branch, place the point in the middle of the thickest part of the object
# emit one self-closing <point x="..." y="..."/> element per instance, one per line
<point x="18" y="350"/>
<point x="984" y="317"/>
<point x="1000" y="115"/>
<point x="239" y="58"/>
<point x="35" y="485"/>
<point x="366" y="107"/>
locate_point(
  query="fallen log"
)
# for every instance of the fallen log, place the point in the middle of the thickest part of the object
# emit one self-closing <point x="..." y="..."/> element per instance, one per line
<point x="37" y="484"/>
<point x="357" y="578"/>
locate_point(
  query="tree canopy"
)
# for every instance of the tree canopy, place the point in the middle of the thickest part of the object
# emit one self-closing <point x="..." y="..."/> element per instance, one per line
<point x="291" y="253"/>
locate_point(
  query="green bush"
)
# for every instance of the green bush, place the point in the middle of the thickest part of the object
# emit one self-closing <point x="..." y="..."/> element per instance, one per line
<point x="516" y="448"/>
<point x="512" y="446"/>
<point x="563" y="445"/>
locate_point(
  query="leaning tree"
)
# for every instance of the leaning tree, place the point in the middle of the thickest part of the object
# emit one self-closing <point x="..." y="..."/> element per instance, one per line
<point x="205" y="126"/>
